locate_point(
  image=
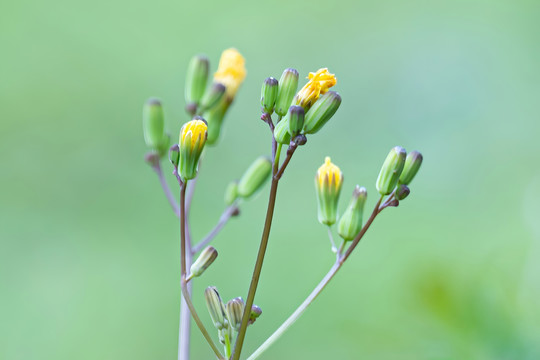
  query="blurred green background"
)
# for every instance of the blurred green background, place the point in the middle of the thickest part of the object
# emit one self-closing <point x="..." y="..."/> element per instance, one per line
<point x="89" y="263"/>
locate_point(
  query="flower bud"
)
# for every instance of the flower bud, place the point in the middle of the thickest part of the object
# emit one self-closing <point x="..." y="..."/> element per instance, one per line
<point x="296" y="119"/>
<point x="350" y="223"/>
<point x="255" y="177"/>
<point x="174" y="155"/>
<point x="391" y="170"/>
<point x="402" y="191"/>
<point x="318" y="84"/>
<point x="153" y="123"/>
<point x="215" y="307"/>
<point x="269" y="94"/>
<point x="235" y="310"/>
<point x="288" y="83"/>
<point x="281" y="131"/>
<point x="214" y="118"/>
<point x="328" y="183"/>
<point x="255" y="313"/>
<point x="323" y="109"/>
<point x="207" y="257"/>
<point x="231" y="193"/>
<point x="196" y="78"/>
<point x="412" y="165"/>
<point x="192" y="139"/>
<point x="163" y="146"/>
<point x="212" y="96"/>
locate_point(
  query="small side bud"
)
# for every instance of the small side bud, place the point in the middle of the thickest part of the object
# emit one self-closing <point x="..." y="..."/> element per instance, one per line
<point x="235" y="310"/>
<point x="269" y="94"/>
<point x="207" y="257"/>
<point x="402" y="191"/>
<point x="281" y="131"/>
<point x="350" y="223"/>
<point x="255" y="313"/>
<point x="192" y="139"/>
<point x="288" y="83"/>
<point x="296" y="119"/>
<point x="153" y="123"/>
<point x="231" y="193"/>
<point x="255" y="177"/>
<point x="391" y="170"/>
<point x="174" y="155"/>
<point x="212" y="96"/>
<point x="412" y="165"/>
<point x="196" y="78"/>
<point x="322" y="111"/>
<point x="328" y="181"/>
<point x="215" y="307"/>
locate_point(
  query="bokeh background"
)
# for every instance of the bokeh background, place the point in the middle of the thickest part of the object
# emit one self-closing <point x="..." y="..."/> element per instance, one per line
<point x="89" y="249"/>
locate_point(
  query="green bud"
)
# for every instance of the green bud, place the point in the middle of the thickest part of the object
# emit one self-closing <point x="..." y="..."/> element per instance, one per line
<point x="281" y="131"/>
<point x="296" y="119"/>
<point x="231" y="193"/>
<point x="350" y="223"/>
<point x="207" y="257"/>
<point x="288" y="83"/>
<point x="214" y="118"/>
<point x="328" y="181"/>
<point x="255" y="177"/>
<point x="196" y="78"/>
<point x="391" y="170"/>
<point x="412" y="165"/>
<point x="269" y="94"/>
<point x="212" y="96"/>
<point x="255" y="313"/>
<point x="153" y="123"/>
<point x="192" y="139"/>
<point x="235" y="310"/>
<point x="163" y="147"/>
<point x="215" y="308"/>
<point x="174" y="155"/>
<point x="324" y="108"/>
<point x="402" y="191"/>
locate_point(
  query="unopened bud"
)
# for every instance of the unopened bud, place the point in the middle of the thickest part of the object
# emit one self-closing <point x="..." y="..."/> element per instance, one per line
<point x="212" y="96"/>
<point x="296" y="119"/>
<point x="255" y="177"/>
<point x="350" y="223"/>
<point x="255" y="313"/>
<point x="269" y="94"/>
<point x="328" y="181"/>
<point x="231" y="193"/>
<point x="192" y="139"/>
<point x="215" y="307"/>
<point x="207" y="257"/>
<point x="174" y="155"/>
<point x="391" y="170"/>
<point x="153" y="123"/>
<point x="235" y="310"/>
<point x="196" y="78"/>
<point x="214" y="118"/>
<point x="402" y="191"/>
<point x="281" y="131"/>
<point x="288" y="83"/>
<point x="322" y="111"/>
<point x="412" y="165"/>
<point x="163" y="146"/>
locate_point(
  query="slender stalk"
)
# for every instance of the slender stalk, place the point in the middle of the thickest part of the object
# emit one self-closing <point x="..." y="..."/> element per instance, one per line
<point x="166" y="189"/>
<point x="184" y="331"/>
<point x="340" y="260"/>
<point x="332" y="242"/>
<point x="290" y="152"/>
<point x="224" y="218"/>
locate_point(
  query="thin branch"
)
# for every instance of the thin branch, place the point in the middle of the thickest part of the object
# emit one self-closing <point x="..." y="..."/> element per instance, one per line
<point x="166" y="189"/>
<point x="224" y="218"/>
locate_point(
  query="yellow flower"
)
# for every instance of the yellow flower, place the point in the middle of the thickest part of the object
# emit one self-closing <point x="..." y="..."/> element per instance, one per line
<point x="231" y="71"/>
<point x="328" y="185"/>
<point x="329" y="173"/>
<point x="197" y="129"/>
<point x="191" y="143"/>
<point x="319" y="83"/>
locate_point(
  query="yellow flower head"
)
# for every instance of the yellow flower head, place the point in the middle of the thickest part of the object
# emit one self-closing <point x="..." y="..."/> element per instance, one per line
<point x="329" y="175"/>
<point x="197" y="129"/>
<point x="231" y="71"/>
<point x="319" y="83"/>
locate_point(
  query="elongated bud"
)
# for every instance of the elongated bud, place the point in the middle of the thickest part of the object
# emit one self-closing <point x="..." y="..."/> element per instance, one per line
<point x="255" y="177"/>
<point x="231" y="193"/>
<point x="269" y="94"/>
<point x="322" y="111"/>
<point x="391" y="170"/>
<point x="192" y="139"/>
<point x="255" y="313"/>
<point x="412" y="165"/>
<point x="153" y="123"/>
<point x="281" y="131"/>
<point x="196" y="78"/>
<point x="212" y="96"/>
<point x="350" y="223"/>
<point x="163" y="146"/>
<point x="215" y="307"/>
<point x="214" y="118"/>
<point x="328" y="183"/>
<point x="288" y="83"/>
<point x="235" y="310"/>
<point x="402" y="191"/>
<point x="296" y="119"/>
<point x="207" y="257"/>
<point x="174" y="155"/>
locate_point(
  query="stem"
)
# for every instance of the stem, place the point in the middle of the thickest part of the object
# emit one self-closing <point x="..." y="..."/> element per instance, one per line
<point x="318" y="289"/>
<point x="227" y="346"/>
<point x="184" y="286"/>
<point x="290" y="152"/>
<point x="184" y="333"/>
<point x="224" y="218"/>
<point x="166" y="189"/>
<point x="332" y="242"/>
